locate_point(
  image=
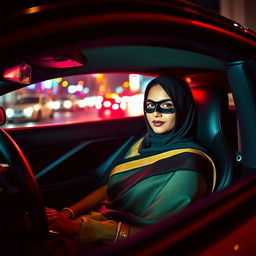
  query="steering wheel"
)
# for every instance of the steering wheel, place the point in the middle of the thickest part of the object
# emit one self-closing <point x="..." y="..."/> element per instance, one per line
<point x="20" y="187"/>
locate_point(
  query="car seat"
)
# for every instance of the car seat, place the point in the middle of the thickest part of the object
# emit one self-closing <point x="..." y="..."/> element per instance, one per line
<point x="211" y="130"/>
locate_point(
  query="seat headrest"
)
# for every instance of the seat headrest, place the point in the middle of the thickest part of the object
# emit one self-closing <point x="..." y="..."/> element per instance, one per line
<point x="212" y="118"/>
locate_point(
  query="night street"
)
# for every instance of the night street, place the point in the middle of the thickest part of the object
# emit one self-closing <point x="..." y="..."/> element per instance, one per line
<point x="60" y="117"/>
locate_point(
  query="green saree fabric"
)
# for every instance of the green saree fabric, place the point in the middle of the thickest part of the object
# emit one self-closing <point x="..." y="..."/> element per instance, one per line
<point x="148" y="194"/>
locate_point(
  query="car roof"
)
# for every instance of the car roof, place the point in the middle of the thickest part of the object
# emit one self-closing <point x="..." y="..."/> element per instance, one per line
<point x="142" y="36"/>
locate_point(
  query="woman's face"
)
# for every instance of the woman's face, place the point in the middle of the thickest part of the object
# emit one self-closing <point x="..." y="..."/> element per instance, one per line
<point x="160" y="122"/>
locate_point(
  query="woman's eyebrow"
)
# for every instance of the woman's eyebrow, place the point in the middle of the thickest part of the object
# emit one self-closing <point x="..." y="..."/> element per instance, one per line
<point x="148" y="99"/>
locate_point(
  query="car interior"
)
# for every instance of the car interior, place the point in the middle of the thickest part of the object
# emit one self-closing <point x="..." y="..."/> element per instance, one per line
<point x="70" y="160"/>
<point x="68" y="166"/>
<point x="66" y="151"/>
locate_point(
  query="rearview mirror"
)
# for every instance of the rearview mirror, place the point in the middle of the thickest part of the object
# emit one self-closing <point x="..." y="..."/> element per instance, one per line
<point x="2" y="116"/>
<point x="19" y="74"/>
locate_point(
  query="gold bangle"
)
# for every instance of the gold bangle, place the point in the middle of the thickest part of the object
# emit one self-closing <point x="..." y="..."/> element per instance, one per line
<point x="71" y="211"/>
<point x="118" y="228"/>
<point x="124" y="231"/>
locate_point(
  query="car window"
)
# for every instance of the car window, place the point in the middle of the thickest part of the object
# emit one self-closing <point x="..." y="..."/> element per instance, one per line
<point x="80" y="98"/>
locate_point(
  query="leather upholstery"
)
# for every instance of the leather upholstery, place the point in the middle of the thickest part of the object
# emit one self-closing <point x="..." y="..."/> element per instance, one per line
<point x="211" y="130"/>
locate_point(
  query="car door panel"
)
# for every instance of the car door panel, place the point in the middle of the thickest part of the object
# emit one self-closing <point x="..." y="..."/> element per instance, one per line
<point x="70" y="160"/>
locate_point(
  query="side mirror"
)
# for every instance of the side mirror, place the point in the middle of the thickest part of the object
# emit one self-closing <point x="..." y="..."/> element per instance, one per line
<point x="2" y="116"/>
<point x="19" y="74"/>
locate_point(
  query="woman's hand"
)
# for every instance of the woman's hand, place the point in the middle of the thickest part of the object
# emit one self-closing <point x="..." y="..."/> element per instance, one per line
<point x="66" y="213"/>
<point x="61" y="224"/>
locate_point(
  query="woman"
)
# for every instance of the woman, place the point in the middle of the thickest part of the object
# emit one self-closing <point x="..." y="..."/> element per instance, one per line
<point x="161" y="174"/>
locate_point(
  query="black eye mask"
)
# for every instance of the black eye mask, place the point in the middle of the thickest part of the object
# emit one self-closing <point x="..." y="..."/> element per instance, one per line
<point x="158" y="106"/>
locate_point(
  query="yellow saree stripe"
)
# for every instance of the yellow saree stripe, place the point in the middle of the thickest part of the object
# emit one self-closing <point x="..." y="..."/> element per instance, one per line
<point x="135" y="149"/>
<point x="152" y="159"/>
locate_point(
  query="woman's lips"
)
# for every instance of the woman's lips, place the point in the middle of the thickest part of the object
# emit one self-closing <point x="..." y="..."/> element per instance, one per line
<point x="158" y="123"/>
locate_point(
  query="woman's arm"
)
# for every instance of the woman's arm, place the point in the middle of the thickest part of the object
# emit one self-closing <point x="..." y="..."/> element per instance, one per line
<point x="87" y="203"/>
<point x="89" y="228"/>
<point x="97" y="227"/>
